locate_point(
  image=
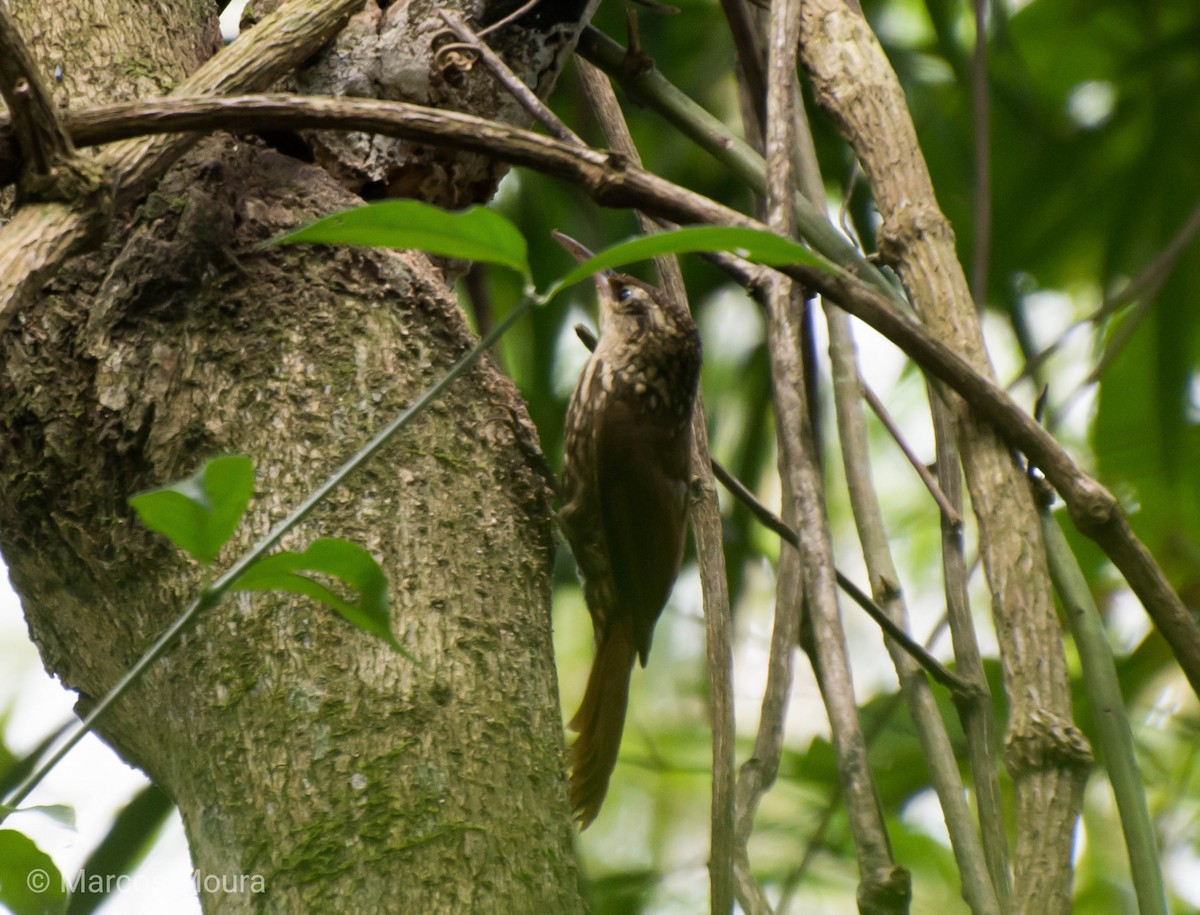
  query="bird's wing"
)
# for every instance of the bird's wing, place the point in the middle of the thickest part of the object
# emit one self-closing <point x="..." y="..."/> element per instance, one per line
<point x="643" y="469"/>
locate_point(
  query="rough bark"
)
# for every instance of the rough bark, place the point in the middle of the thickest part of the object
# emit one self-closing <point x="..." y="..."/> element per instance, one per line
<point x="297" y="748"/>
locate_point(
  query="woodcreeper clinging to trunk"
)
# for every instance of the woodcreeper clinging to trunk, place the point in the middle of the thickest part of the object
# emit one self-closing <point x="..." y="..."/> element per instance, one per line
<point x="626" y="474"/>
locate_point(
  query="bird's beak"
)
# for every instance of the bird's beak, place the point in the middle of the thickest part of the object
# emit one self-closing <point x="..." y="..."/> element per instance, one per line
<point x="581" y="253"/>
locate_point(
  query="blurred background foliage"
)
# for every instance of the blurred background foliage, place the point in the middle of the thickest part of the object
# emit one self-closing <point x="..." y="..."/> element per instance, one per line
<point x="1095" y="170"/>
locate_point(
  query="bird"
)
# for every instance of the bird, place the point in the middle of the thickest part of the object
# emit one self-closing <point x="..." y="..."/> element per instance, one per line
<point x="627" y="448"/>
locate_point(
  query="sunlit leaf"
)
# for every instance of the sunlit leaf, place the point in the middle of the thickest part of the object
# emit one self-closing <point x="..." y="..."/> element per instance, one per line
<point x="200" y="513"/>
<point x="346" y="562"/>
<point x="751" y="244"/>
<point x="474" y="234"/>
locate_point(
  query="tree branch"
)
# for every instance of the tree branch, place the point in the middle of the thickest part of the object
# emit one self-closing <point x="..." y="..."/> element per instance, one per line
<point x="855" y="83"/>
<point x="513" y="83"/>
<point x="949" y="513"/>
<point x="650" y="88"/>
<point x="1143" y="286"/>
<point x="39" y="131"/>
<point x="978" y="723"/>
<point x="1111" y="718"/>
<point x="981" y="167"/>
<point x="979" y="883"/>
<point x="883" y="886"/>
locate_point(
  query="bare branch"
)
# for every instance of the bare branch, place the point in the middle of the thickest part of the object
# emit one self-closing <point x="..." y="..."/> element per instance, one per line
<point x="745" y="29"/>
<point x="650" y="88"/>
<point x="1143" y="289"/>
<point x="982" y="166"/>
<point x="854" y="82"/>
<point x="976" y="715"/>
<point x="883" y="886"/>
<point x="1143" y="286"/>
<point x="978" y="880"/>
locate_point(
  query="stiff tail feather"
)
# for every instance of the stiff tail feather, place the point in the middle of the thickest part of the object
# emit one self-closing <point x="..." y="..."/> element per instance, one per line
<point x="599" y="722"/>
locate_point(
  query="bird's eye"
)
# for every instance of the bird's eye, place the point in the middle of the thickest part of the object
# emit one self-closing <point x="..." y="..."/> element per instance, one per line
<point x="625" y="294"/>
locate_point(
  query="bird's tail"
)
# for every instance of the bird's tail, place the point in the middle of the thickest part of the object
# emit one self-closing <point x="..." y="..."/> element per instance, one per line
<point x="599" y="722"/>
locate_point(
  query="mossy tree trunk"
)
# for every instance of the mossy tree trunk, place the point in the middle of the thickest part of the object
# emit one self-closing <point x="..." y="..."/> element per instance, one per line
<point x="297" y="747"/>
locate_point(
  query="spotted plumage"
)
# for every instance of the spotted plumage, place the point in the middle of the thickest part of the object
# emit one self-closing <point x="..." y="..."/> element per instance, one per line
<point x="626" y="471"/>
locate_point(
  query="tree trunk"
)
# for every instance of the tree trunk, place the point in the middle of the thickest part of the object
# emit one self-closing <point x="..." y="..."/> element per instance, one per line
<point x="300" y="750"/>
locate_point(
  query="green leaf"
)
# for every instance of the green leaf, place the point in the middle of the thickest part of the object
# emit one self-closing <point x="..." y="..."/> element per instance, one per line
<point x="30" y="883"/>
<point x="475" y="234"/>
<point x="348" y="562"/>
<point x="200" y="513"/>
<point x="63" y="814"/>
<point x="752" y="244"/>
<point x="133" y="833"/>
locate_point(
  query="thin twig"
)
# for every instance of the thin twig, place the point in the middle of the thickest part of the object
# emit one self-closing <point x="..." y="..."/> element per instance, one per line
<point x="1143" y="289"/>
<point x="1155" y="273"/>
<point x="976" y="714"/>
<point x="603" y="101"/>
<point x="1116" y="345"/>
<point x="511" y="17"/>
<point x="948" y="512"/>
<point x="513" y="83"/>
<point x="775" y="524"/>
<point x="982" y="166"/>
<point x="816" y="839"/>
<point x="1143" y="286"/>
<point x="744" y="28"/>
